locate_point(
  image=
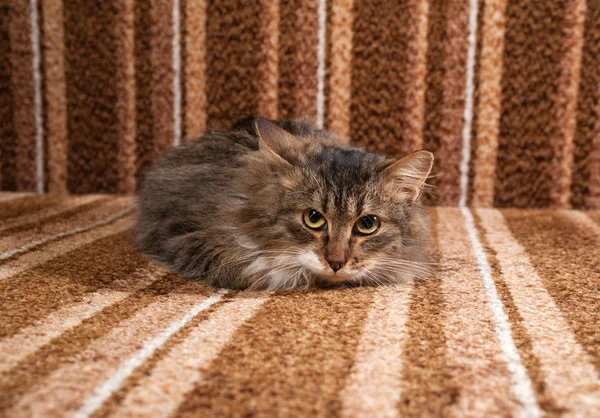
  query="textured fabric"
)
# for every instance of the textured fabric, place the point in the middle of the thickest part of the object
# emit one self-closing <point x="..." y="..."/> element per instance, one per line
<point x="504" y="92"/>
<point x="507" y="325"/>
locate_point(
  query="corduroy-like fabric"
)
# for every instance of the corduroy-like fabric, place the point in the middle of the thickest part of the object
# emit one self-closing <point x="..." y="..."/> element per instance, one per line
<point x="505" y="94"/>
<point x="505" y="326"/>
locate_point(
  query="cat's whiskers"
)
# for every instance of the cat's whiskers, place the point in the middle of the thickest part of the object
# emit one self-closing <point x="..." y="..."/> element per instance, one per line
<point x="264" y="277"/>
<point x="416" y="267"/>
<point x="377" y="278"/>
<point x="371" y="277"/>
<point x="408" y="271"/>
<point x="281" y="269"/>
<point x="385" y="278"/>
<point x="404" y="261"/>
<point x="271" y="285"/>
<point x="294" y="278"/>
<point x="387" y="270"/>
<point x="406" y="267"/>
<point x="408" y="264"/>
<point x="278" y="283"/>
<point x="255" y="283"/>
<point x="302" y="274"/>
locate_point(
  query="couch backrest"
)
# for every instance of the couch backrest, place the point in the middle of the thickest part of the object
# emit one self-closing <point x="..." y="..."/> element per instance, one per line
<point x="506" y="93"/>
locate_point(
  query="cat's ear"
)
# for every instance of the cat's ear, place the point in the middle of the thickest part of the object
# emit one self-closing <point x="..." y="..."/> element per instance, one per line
<point x="410" y="173"/>
<point x="275" y="141"/>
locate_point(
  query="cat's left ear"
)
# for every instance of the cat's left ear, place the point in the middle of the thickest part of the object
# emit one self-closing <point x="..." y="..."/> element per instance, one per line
<point x="275" y="141"/>
<point x="410" y="173"/>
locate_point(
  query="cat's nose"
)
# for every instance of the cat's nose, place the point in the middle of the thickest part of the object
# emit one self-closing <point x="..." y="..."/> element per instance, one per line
<point x="336" y="265"/>
<point x="336" y="255"/>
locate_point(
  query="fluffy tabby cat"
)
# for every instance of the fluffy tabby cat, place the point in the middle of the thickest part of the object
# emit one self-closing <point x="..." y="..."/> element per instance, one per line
<point x="279" y="204"/>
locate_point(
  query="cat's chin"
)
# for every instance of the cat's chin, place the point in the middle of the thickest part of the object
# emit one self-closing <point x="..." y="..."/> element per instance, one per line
<point x="338" y="277"/>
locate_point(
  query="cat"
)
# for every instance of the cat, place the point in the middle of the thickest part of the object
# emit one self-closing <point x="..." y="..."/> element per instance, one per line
<point x="278" y="204"/>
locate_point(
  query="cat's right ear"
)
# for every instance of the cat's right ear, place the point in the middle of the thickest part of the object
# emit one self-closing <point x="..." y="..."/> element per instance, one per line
<point x="274" y="141"/>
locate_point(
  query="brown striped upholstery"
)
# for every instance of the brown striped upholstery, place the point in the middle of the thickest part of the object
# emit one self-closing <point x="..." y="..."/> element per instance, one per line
<point x="93" y="92"/>
<point x="506" y="326"/>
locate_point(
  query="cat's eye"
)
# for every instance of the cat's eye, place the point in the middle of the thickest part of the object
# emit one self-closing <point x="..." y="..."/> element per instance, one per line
<point x="314" y="219"/>
<point x="367" y="225"/>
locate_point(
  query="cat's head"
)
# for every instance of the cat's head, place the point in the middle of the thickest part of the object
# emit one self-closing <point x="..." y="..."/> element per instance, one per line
<point x="327" y="213"/>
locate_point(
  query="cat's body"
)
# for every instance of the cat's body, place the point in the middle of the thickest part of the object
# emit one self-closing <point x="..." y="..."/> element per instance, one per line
<point x="281" y="205"/>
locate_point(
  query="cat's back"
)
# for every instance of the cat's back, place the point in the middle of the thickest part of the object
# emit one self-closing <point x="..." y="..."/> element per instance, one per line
<point x="213" y="147"/>
<point x="225" y="148"/>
